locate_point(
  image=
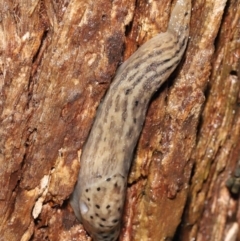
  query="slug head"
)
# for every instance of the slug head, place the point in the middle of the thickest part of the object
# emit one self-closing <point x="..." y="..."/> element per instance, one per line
<point x="100" y="206"/>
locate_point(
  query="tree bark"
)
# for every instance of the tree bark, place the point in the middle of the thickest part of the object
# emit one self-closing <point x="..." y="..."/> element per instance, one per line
<point x="58" y="60"/>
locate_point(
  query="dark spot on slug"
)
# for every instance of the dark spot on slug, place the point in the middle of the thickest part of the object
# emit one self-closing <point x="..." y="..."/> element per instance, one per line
<point x="115" y="221"/>
<point x="124" y="110"/>
<point x="97" y="214"/>
<point x="105" y="236"/>
<point x="115" y="185"/>
<point x="91" y="217"/>
<point x="101" y="225"/>
<point x="97" y="206"/>
<point x="103" y="219"/>
<point x="86" y="190"/>
<point x="185" y="14"/>
<point x="127" y="91"/>
<point x="109" y="179"/>
<point x="119" y="209"/>
<point x="129" y="133"/>
<point x="98" y="189"/>
<point x="108" y="206"/>
<point x="136" y="103"/>
<point x="88" y="199"/>
<point x="134" y="120"/>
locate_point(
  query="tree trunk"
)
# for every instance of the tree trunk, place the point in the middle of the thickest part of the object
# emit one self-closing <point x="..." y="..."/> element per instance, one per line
<point x="58" y="60"/>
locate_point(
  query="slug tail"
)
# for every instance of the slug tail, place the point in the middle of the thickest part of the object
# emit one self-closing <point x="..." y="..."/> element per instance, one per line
<point x="180" y="18"/>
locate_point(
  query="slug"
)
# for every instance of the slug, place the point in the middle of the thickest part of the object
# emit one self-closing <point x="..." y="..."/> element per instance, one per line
<point x="99" y="195"/>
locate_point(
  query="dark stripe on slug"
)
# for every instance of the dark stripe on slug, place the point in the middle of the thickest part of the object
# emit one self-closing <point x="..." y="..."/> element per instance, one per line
<point x="130" y="78"/>
<point x="158" y="50"/>
<point x="108" y="107"/>
<point x="105" y="118"/>
<point x="112" y="123"/>
<point x="139" y="80"/>
<point x="117" y="103"/>
<point x="165" y="61"/>
<point x="142" y="63"/>
<point x="164" y="71"/>
<point x="124" y="110"/>
<point x="98" y="137"/>
<point x="161" y="63"/>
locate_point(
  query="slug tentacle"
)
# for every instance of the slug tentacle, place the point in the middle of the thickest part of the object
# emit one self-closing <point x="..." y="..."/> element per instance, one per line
<point x="99" y="194"/>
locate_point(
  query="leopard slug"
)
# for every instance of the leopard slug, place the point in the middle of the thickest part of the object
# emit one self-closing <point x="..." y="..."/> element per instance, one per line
<point x="99" y="195"/>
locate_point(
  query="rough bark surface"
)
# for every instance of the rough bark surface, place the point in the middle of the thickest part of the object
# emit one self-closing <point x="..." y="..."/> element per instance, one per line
<point x="58" y="59"/>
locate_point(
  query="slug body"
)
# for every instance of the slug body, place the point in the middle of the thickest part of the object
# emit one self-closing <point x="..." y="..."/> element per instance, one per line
<point x="99" y="194"/>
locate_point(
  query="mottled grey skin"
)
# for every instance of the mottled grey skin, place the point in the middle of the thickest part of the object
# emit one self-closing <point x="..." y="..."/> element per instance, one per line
<point x="99" y="195"/>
